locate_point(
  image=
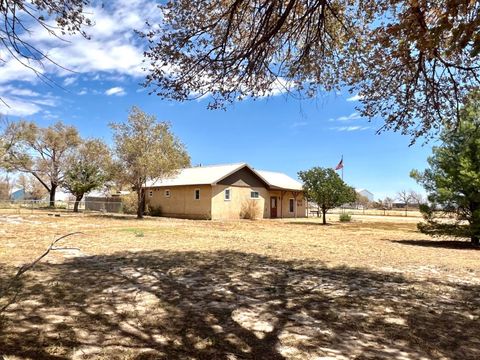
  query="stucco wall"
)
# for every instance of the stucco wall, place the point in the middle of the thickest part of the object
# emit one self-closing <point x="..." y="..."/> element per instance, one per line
<point x="239" y="197"/>
<point x="182" y="202"/>
<point x="283" y="210"/>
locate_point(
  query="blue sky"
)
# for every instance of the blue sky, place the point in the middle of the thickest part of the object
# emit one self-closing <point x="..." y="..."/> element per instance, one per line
<point x="278" y="133"/>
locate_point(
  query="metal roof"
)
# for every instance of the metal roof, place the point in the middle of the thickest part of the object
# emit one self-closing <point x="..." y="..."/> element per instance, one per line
<point x="210" y="175"/>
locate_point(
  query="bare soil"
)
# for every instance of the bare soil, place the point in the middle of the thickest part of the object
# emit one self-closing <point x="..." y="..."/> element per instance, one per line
<point x="159" y="288"/>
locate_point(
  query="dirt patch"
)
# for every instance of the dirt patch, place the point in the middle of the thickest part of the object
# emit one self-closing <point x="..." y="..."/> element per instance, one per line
<point x="161" y="289"/>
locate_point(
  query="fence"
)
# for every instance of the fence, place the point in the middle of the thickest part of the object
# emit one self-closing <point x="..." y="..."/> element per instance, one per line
<point x="38" y="206"/>
<point x="414" y="212"/>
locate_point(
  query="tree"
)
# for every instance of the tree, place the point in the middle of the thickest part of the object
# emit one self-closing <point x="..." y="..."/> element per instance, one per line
<point x="88" y="168"/>
<point x="326" y="188"/>
<point x="404" y="197"/>
<point x="413" y="67"/>
<point x="452" y="179"/>
<point x="22" y="17"/>
<point x="41" y="152"/>
<point x="416" y="198"/>
<point x="362" y="201"/>
<point x="32" y="189"/>
<point x="146" y="150"/>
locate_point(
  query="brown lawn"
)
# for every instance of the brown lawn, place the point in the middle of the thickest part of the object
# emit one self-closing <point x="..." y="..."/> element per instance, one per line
<point x="288" y="289"/>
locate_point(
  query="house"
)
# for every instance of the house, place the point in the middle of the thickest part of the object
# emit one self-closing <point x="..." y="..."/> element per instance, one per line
<point x="225" y="191"/>
<point x="366" y="193"/>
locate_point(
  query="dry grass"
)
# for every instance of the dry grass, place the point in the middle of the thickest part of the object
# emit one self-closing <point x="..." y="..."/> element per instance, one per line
<point x="167" y="289"/>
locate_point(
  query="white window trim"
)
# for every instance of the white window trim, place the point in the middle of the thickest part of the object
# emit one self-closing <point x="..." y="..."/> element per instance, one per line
<point x="150" y="193"/>
<point x="195" y="194"/>
<point x="291" y="211"/>
<point x="254" y="198"/>
<point x="169" y="193"/>
<point x="229" y="195"/>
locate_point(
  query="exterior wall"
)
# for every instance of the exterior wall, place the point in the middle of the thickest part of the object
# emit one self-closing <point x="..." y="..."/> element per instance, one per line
<point x="283" y="210"/>
<point x="182" y="202"/>
<point x="239" y="198"/>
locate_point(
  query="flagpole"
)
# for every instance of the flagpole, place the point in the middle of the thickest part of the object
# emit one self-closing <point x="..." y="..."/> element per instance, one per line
<point x="342" y="167"/>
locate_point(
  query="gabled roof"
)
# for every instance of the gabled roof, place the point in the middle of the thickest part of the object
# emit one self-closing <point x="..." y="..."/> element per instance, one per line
<point x="200" y="175"/>
<point x="211" y="175"/>
<point x="279" y="180"/>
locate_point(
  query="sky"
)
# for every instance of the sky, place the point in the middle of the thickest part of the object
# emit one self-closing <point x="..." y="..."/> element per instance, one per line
<point x="278" y="133"/>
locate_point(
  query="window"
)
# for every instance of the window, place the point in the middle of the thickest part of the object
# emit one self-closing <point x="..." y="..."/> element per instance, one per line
<point x="254" y="195"/>
<point x="227" y="195"/>
<point x="167" y="193"/>
<point x="150" y="193"/>
<point x="197" y="194"/>
<point x="291" y="205"/>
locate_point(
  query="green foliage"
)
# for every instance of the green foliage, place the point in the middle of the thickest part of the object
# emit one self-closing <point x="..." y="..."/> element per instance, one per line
<point x="87" y="169"/>
<point x="324" y="187"/>
<point x="146" y="150"/>
<point x="345" y="217"/>
<point x="452" y="179"/>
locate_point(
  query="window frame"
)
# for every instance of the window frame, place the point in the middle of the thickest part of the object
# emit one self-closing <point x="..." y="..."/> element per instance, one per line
<point x="167" y="193"/>
<point x="150" y="193"/>
<point x="229" y="194"/>
<point x="254" y="192"/>
<point x="291" y="205"/>
<point x="195" y="194"/>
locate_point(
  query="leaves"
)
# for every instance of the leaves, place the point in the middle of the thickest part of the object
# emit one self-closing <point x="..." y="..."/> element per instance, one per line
<point x="413" y="63"/>
<point x="453" y="177"/>
<point x="326" y="188"/>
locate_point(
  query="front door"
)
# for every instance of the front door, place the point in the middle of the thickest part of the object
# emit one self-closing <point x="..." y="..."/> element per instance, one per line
<point x="273" y="207"/>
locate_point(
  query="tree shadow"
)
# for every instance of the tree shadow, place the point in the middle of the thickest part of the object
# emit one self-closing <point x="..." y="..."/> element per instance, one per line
<point x="233" y="305"/>
<point x="446" y="244"/>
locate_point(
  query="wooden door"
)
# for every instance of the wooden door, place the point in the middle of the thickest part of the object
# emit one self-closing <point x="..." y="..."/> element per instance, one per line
<point x="273" y="207"/>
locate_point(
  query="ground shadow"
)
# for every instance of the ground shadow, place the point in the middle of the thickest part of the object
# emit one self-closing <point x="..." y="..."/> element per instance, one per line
<point x="446" y="244"/>
<point x="233" y="305"/>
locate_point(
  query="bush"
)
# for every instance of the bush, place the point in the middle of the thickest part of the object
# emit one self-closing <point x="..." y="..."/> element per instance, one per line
<point x="153" y="210"/>
<point x="129" y="203"/>
<point x="250" y="210"/>
<point x="345" y="217"/>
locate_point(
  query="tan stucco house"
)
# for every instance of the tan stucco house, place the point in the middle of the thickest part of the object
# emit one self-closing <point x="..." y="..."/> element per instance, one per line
<point x="224" y="191"/>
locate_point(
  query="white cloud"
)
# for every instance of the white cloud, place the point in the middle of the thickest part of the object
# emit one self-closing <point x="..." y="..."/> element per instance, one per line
<point x="69" y="81"/>
<point x="15" y="101"/>
<point x="18" y="107"/>
<point x="117" y="90"/>
<point x="82" y="92"/>
<point x="352" y="116"/>
<point x="356" y="97"/>
<point x="350" y="128"/>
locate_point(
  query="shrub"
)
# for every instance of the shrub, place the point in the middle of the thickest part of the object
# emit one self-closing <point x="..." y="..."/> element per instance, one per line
<point x="250" y="210"/>
<point x="153" y="210"/>
<point x="345" y="217"/>
<point x="129" y="203"/>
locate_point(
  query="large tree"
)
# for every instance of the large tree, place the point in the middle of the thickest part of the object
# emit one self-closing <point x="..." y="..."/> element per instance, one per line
<point x="88" y="168"/>
<point x="146" y="150"/>
<point x="452" y="179"/>
<point x="412" y="62"/>
<point x="41" y="152"/>
<point x="325" y="187"/>
<point x="21" y="18"/>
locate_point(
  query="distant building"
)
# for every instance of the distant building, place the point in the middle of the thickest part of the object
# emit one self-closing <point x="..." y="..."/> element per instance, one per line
<point x="366" y="193"/>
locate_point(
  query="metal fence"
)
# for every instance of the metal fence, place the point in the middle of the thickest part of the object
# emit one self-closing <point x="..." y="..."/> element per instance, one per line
<point x="38" y="206"/>
<point x="413" y="212"/>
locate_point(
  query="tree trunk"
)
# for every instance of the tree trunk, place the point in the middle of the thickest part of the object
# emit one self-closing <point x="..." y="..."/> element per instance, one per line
<point x="78" y="198"/>
<point x="324" y="217"/>
<point x="52" y="191"/>
<point x="476" y="240"/>
<point x="140" y="203"/>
